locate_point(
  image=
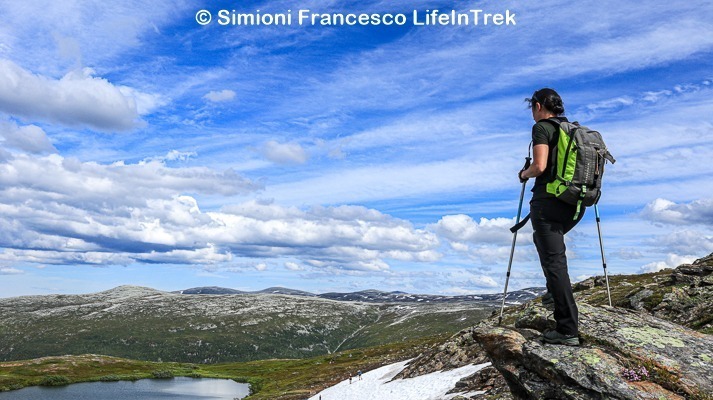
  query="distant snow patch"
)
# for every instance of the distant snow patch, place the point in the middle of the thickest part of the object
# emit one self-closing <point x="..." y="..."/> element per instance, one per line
<point x="375" y="385"/>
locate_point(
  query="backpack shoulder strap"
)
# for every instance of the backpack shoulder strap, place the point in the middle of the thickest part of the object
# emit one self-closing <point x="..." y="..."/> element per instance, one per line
<point x="555" y="122"/>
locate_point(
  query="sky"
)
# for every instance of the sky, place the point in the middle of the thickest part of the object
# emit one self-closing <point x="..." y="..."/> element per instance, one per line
<point x="142" y="143"/>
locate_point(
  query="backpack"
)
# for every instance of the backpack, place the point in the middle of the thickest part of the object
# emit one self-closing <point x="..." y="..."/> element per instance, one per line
<point x="577" y="164"/>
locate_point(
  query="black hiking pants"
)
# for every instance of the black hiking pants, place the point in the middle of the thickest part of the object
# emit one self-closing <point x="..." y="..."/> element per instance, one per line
<point x="551" y="219"/>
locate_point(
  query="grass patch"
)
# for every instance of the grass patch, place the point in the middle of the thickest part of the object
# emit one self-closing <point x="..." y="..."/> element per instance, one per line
<point x="162" y="374"/>
<point x="55" y="380"/>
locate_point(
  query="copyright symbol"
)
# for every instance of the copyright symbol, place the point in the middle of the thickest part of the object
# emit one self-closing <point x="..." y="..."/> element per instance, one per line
<point x="203" y="17"/>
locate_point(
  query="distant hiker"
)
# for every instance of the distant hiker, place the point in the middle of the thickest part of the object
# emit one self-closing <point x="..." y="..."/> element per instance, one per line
<point x="551" y="218"/>
<point x="350" y="379"/>
<point x="359" y="374"/>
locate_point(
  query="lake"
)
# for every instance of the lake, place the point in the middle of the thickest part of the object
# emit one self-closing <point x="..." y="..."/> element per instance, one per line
<point x="144" y="389"/>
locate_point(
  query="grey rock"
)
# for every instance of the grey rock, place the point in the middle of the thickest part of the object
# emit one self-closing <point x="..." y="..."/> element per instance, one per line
<point x="687" y="279"/>
<point x="636" y="300"/>
<point x="614" y="339"/>
<point x="584" y="285"/>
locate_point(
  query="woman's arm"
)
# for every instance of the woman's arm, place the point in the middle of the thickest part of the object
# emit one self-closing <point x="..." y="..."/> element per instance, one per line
<point x="540" y="152"/>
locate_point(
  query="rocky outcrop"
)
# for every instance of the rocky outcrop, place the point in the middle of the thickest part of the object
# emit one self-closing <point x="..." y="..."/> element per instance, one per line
<point x="636" y="350"/>
<point x="458" y="351"/>
<point x="615" y="341"/>
<point x="683" y="295"/>
<point x="691" y="304"/>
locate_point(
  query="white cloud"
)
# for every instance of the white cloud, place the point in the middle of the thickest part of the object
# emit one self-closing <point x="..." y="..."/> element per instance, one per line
<point x="669" y="212"/>
<point x="54" y="177"/>
<point x="173" y="155"/>
<point x="487" y="241"/>
<point x="632" y="50"/>
<point x="56" y="210"/>
<point x="220" y="96"/>
<point x="292" y="266"/>
<point x="93" y="32"/>
<point x="610" y="104"/>
<point x="29" y="138"/>
<point x="261" y="267"/>
<point x="10" y="271"/>
<point x="284" y="153"/>
<point x="483" y="281"/>
<point x="77" y="99"/>
<point x="686" y="241"/>
<point x="462" y="228"/>
<point x="672" y="261"/>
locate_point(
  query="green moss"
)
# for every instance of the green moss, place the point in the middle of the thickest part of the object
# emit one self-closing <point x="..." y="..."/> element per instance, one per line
<point x="705" y="357"/>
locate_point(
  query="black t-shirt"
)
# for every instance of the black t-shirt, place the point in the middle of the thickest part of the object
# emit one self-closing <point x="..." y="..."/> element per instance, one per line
<point x="545" y="132"/>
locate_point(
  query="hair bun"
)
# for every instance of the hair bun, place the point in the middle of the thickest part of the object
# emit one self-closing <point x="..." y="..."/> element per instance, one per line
<point x="550" y="99"/>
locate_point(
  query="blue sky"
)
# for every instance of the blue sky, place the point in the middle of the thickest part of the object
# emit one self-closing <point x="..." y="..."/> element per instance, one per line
<point x="140" y="147"/>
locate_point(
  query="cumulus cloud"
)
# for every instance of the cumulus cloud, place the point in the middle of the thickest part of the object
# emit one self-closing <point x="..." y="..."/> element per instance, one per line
<point x="292" y="266"/>
<point x="56" y="210"/>
<point x="220" y="96"/>
<point x="671" y="261"/>
<point x="28" y="138"/>
<point x="463" y="229"/>
<point x="686" y="241"/>
<point x="77" y="99"/>
<point x="668" y="212"/>
<point x="487" y="240"/>
<point x="284" y="153"/>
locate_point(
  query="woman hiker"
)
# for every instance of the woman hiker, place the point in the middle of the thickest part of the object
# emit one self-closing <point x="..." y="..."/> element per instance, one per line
<point x="551" y="218"/>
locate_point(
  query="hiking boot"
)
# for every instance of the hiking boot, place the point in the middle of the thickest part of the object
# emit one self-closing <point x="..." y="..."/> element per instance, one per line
<point x="554" y="337"/>
<point x="548" y="300"/>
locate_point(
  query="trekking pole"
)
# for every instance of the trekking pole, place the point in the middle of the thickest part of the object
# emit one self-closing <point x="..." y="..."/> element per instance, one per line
<point x="514" y="239"/>
<point x="601" y="248"/>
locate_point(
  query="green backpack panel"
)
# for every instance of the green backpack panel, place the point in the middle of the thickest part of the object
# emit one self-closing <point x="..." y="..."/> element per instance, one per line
<point x="578" y="165"/>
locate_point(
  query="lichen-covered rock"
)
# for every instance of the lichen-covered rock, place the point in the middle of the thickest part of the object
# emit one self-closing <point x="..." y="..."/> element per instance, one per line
<point x="614" y="339"/>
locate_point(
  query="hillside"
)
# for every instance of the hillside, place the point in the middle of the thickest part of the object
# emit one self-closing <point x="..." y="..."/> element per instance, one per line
<point x="147" y="324"/>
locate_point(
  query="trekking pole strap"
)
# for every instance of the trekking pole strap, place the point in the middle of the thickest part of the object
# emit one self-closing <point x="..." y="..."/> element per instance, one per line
<point x="520" y="224"/>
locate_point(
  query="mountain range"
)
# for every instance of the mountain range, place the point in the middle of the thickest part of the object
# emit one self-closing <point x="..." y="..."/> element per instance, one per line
<point x="221" y="326"/>
<point x="378" y="296"/>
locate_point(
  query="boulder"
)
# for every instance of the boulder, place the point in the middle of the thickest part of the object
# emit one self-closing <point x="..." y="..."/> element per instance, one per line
<point x="615" y="340"/>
